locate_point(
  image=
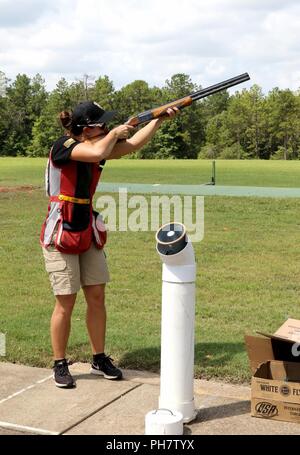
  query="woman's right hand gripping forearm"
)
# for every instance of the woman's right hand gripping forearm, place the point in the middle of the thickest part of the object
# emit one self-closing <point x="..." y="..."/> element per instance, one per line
<point x="122" y="131"/>
<point x="97" y="148"/>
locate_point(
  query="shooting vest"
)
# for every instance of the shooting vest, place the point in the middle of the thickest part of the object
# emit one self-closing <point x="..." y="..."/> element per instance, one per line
<point x="71" y="224"/>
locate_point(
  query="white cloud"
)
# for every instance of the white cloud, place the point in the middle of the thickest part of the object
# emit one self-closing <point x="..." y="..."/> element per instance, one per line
<point x="22" y="12"/>
<point x="128" y="40"/>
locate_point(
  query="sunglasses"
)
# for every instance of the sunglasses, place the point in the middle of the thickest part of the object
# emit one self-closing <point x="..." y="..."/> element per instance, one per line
<point x="94" y="125"/>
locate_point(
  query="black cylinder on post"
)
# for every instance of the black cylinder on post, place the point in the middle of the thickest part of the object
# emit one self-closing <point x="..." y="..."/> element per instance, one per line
<point x="171" y="239"/>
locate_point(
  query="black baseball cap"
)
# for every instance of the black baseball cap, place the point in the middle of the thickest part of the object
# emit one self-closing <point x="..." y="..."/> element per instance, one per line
<point x="90" y="113"/>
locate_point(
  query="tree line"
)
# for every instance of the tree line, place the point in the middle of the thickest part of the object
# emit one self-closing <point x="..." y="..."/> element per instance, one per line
<point x="244" y="125"/>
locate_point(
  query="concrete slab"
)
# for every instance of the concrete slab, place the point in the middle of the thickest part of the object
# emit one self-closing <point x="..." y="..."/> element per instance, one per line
<point x="46" y="409"/>
<point x="6" y="432"/>
<point x="222" y="409"/>
<point x="219" y="415"/>
<point x="14" y="378"/>
<point x="31" y="404"/>
<point x="223" y="389"/>
<point x="142" y="377"/>
<point x="126" y="416"/>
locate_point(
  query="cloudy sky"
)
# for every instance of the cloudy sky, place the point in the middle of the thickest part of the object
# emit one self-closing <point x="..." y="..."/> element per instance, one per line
<point x="211" y="40"/>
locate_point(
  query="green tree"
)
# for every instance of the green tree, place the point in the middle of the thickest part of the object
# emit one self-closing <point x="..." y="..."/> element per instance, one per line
<point x="24" y="101"/>
<point x="215" y="104"/>
<point x="38" y="97"/>
<point x="3" y="84"/>
<point x="104" y="93"/>
<point x="256" y="142"/>
<point x="4" y="114"/>
<point x="246" y="124"/>
<point x="284" y="119"/>
<point x="47" y="126"/>
<point x="184" y="135"/>
<point x="242" y="129"/>
<point x="218" y="134"/>
<point x="20" y="116"/>
<point x="236" y="120"/>
<point x="81" y="89"/>
<point x="132" y="99"/>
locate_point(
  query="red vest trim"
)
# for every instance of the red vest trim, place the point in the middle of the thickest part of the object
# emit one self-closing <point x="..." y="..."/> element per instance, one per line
<point x="70" y="223"/>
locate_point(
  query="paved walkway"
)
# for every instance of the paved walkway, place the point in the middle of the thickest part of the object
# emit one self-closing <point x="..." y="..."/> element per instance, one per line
<point x="200" y="190"/>
<point x="31" y="404"/>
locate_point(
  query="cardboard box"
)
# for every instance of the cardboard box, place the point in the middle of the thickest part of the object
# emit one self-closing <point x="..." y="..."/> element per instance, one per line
<point x="275" y="364"/>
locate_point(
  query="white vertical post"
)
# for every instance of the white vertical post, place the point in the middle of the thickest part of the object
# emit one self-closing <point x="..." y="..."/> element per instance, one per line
<point x="178" y="320"/>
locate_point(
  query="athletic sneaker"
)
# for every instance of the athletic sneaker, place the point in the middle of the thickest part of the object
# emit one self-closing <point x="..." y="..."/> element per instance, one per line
<point x="62" y="376"/>
<point x="104" y="367"/>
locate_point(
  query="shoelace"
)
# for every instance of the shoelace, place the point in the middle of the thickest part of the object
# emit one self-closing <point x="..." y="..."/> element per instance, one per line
<point x="110" y="359"/>
<point x="63" y="369"/>
<point x="107" y="360"/>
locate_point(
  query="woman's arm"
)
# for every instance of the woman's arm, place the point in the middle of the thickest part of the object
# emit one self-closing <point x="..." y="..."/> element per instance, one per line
<point x="95" y="151"/>
<point x="140" y="138"/>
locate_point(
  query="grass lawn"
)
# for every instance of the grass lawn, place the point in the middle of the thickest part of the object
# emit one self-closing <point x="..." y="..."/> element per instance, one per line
<point x="247" y="270"/>
<point x="30" y="171"/>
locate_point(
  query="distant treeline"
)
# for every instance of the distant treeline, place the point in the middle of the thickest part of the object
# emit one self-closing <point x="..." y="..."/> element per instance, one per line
<point x="247" y="124"/>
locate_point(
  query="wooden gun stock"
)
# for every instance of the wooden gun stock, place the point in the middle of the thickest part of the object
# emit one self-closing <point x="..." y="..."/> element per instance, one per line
<point x="181" y="103"/>
<point x="160" y="111"/>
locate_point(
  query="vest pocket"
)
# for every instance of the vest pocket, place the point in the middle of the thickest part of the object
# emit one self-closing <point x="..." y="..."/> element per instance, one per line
<point x="74" y="234"/>
<point x="73" y="242"/>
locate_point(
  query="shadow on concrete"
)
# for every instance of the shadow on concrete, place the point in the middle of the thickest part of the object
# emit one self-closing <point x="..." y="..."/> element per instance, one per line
<point x="87" y="376"/>
<point x="223" y="410"/>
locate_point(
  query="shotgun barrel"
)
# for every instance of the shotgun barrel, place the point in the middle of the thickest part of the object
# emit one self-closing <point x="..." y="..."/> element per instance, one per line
<point x="221" y="86"/>
<point x="147" y="116"/>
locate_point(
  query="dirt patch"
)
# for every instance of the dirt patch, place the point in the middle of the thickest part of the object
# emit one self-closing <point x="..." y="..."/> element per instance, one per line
<point x="14" y="189"/>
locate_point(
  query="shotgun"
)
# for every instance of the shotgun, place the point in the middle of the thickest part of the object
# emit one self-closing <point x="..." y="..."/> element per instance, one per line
<point x="180" y="103"/>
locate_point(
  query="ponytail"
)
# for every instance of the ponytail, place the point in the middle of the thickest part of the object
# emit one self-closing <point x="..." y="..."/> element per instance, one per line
<point x="65" y="118"/>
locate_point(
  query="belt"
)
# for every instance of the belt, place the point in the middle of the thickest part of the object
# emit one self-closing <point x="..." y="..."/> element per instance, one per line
<point x="75" y="200"/>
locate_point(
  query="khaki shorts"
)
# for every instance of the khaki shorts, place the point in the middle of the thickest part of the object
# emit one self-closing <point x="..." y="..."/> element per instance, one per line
<point x="68" y="272"/>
